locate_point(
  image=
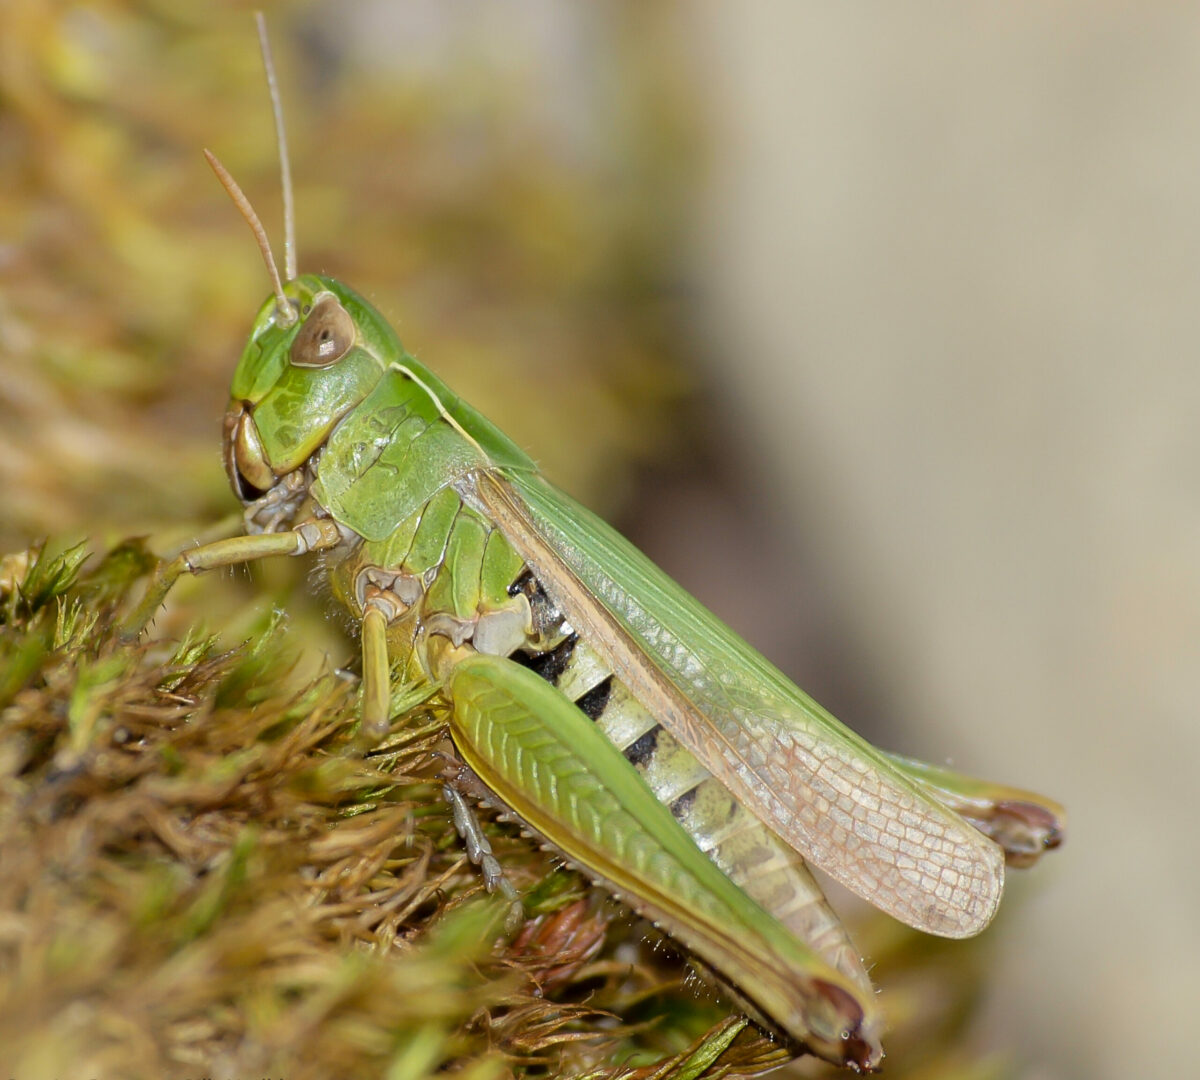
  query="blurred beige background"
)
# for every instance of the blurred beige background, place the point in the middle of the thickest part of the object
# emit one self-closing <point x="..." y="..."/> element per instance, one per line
<point x="951" y="264"/>
<point x="930" y="270"/>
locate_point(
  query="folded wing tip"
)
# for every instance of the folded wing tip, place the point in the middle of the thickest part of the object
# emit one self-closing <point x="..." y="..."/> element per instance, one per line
<point x="971" y="913"/>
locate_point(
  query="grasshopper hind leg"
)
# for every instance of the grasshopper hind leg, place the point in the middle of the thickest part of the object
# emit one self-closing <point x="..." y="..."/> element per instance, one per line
<point x="540" y="755"/>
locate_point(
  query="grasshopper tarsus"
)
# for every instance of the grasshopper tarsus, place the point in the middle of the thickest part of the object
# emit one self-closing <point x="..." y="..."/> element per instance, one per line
<point x="479" y="851"/>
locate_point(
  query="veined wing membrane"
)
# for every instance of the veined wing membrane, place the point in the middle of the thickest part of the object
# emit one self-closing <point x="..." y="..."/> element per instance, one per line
<point x="826" y="791"/>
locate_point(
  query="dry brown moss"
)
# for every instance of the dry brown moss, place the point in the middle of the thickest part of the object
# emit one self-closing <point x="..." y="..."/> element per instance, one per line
<point x="200" y="875"/>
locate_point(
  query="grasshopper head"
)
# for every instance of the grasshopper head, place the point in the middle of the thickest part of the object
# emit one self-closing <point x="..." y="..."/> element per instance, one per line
<point x="298" y="377"/>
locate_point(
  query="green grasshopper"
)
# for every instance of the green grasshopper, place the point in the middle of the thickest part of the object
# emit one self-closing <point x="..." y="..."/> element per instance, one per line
<point x="586" y="692"/>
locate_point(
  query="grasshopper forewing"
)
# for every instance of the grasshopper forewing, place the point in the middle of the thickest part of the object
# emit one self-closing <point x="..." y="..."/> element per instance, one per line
<point x="825" y="791"/>
<point x="591" y="695"/>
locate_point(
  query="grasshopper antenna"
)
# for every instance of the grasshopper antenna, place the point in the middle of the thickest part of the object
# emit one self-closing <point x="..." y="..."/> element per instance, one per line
<point x="285" y="165"/>
<point x="287" y="314"/>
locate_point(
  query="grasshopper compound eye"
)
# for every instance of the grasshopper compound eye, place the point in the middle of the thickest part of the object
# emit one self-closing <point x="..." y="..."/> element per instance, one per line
<point x="326" y="336"/>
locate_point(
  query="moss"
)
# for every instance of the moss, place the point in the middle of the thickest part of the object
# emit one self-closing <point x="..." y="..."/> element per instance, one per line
<point x="200" y="873"/>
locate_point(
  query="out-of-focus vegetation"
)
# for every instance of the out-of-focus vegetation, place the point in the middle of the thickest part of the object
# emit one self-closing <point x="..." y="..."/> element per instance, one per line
<point x="197" y="874"/>
<point x="521" y="253"/>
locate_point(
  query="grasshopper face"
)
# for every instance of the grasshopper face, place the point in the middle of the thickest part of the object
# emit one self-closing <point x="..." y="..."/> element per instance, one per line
<point x="295" y="382"/>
